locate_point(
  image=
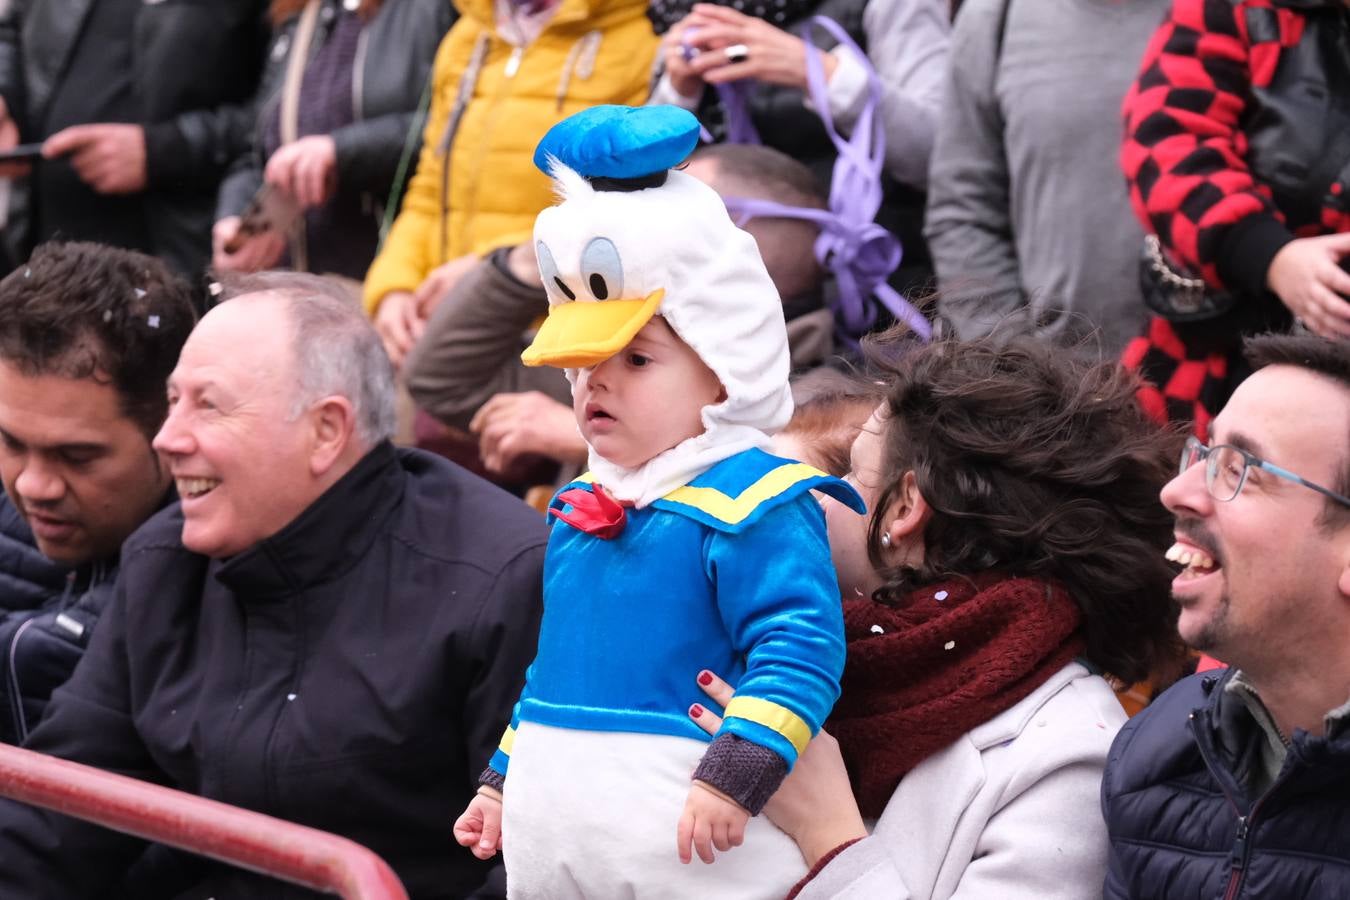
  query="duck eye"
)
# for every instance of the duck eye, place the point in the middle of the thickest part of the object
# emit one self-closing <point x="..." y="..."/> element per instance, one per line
<point x="548" y="270"/>
<point x="602" y="269"/>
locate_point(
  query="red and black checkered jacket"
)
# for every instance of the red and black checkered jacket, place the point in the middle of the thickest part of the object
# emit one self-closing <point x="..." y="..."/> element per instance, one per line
<point x="1227" y="142"/>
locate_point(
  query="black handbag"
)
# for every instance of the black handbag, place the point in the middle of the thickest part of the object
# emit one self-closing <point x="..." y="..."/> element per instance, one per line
<point x="1177" y="296"/>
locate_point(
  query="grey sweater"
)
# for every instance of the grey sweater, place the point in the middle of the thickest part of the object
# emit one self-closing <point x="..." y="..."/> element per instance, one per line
<point x="1028" y="218"/>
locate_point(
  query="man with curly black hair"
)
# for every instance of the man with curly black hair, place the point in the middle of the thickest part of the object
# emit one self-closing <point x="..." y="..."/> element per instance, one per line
<point x="88" y="335"/>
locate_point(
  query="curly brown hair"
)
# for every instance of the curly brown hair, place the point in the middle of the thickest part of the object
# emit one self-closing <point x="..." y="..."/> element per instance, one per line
<point x="83" y="310"/>
<point x="1037" y="465"/>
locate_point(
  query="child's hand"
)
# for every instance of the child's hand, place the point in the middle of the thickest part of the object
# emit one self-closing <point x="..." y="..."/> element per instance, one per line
<point x="480" y="826"/>
<point x="710" y="819"/>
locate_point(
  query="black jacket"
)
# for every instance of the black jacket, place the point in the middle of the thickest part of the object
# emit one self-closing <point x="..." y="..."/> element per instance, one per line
<point x="196" y="66"/>
<point x="353" y="673"/>
<point x="47" y="616"/>
<point x="1182" y="823"/>
<point x="393" y="64"/>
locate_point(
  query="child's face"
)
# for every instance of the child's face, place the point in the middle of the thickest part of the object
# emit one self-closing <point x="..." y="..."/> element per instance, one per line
<point x="644" y="399"/>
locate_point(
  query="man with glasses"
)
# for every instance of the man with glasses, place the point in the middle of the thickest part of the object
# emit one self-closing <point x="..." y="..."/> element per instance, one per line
<point x="1237" y="783"/>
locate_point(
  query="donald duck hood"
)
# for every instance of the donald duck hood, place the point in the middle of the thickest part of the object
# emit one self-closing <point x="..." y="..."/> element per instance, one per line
<point x="631" y="239"/>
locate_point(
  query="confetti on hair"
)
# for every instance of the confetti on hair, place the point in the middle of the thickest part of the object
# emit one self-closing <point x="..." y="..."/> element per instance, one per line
<point x="215" y="288"/>
<point x="27" y="273"/>
<point x="140" y="292"/>
<point x="950" y="645"/>
<point x="107" y="315"/>
<point x="153" y="321"/>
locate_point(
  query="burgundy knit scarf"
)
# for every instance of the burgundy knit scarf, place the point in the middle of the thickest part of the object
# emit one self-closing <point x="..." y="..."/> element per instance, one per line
<point x="952" y="657"/>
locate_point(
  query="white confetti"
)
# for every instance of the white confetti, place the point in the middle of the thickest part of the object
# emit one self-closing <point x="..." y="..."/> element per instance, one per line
<point x="940" y="596"/>
<point x="107" y="315"/>
<point x="950" y="645"/>
<point x="139" y="293"/>
<point x="153" y="321"/>
<point x="214" y="288"/>
<point x="290" y="697"/>
<point x="877" y="629"/>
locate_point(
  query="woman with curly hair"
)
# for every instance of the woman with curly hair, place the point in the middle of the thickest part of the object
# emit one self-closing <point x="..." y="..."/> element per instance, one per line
<point x="1013" y="556"/>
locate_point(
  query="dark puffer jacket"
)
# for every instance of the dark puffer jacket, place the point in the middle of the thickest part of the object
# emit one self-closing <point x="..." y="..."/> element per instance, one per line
<point x="47" y="614"/>
<point x="1182" y="823"/>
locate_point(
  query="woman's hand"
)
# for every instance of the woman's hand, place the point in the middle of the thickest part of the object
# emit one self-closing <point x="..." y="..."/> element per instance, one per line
<point x="686" y="80"/>
<point x="770" y="54"/>
<point x="815" y="805"/>
<point x="306" y="169"/>
<point x="1307" y="277"/>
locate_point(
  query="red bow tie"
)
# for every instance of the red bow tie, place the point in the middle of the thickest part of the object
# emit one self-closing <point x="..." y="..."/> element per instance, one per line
<point x="594" y="511"/>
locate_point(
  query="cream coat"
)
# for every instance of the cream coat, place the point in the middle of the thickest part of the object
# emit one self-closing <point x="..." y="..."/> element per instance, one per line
<point x="1009" y="811"/>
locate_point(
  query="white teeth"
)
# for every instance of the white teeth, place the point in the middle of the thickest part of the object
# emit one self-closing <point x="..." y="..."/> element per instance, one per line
<point x="1189" y="557"/>
<point x="195" y="487"/>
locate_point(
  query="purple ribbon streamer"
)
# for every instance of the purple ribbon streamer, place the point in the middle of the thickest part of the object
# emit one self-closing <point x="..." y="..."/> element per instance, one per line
<point x="860" y="253"/>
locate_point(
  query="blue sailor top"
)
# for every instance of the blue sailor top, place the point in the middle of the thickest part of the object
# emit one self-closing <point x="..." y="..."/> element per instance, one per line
<point x="732" y="573"/>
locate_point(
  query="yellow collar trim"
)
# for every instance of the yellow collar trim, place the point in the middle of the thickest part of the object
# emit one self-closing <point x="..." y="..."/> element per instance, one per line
<point x="733" y="510"/>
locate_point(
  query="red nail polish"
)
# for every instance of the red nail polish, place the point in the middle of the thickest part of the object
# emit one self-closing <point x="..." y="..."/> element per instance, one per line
<point x="705" y="677"/>
<point x="695" y="710"/>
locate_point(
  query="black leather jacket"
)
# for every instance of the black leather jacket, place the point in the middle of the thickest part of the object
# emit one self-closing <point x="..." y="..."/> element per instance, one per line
<point x="196" y="65"/>
<point x="393" y="63"/>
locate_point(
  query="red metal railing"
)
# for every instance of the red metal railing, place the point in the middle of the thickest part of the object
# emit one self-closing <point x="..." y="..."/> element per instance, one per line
<point x="250" y="840"/>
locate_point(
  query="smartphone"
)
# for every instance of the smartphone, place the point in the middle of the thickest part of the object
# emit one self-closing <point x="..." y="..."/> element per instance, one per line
<point x="269" y="210"/>
<point x="21" y="152"/>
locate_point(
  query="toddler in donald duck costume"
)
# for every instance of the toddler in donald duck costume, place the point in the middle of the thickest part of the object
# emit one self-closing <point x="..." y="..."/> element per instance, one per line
<point x="686" y="547"/>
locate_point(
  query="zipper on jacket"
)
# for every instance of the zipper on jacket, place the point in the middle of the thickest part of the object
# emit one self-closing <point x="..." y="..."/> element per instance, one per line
<point x="468" y="80"/>
<point x="15" y="697"/>
<point x="358" y="75"/>
<point x="1237" y="859"/>
<point x="16" y="694"/>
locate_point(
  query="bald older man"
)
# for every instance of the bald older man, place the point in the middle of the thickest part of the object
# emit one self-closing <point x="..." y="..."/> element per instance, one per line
<point x="326" y="629"/>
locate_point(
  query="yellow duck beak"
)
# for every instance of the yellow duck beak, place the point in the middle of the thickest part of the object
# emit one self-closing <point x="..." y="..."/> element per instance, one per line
<point x="585" y="333"/>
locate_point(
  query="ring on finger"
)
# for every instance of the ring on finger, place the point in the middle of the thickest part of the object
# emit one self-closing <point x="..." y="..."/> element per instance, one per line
<point x="736" y="53"/>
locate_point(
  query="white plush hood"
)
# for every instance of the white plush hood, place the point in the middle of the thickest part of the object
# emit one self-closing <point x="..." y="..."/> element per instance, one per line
<point x="716" y="295"/>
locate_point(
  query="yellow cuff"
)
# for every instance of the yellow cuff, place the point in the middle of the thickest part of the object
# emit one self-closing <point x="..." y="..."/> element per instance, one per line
<point x="773" y="716"/>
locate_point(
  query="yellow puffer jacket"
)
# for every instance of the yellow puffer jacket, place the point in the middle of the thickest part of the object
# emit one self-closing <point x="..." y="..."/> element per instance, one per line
<point x="591" y="52"/>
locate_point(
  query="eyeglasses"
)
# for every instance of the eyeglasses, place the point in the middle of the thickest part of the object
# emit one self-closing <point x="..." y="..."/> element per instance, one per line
<point x="1226" y="469"/>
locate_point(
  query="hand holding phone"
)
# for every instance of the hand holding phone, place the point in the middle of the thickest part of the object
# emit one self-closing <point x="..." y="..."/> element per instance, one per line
<point x="21" y="153"/>
<point x="19" y="165"/>
<point x="269" y="210"/>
